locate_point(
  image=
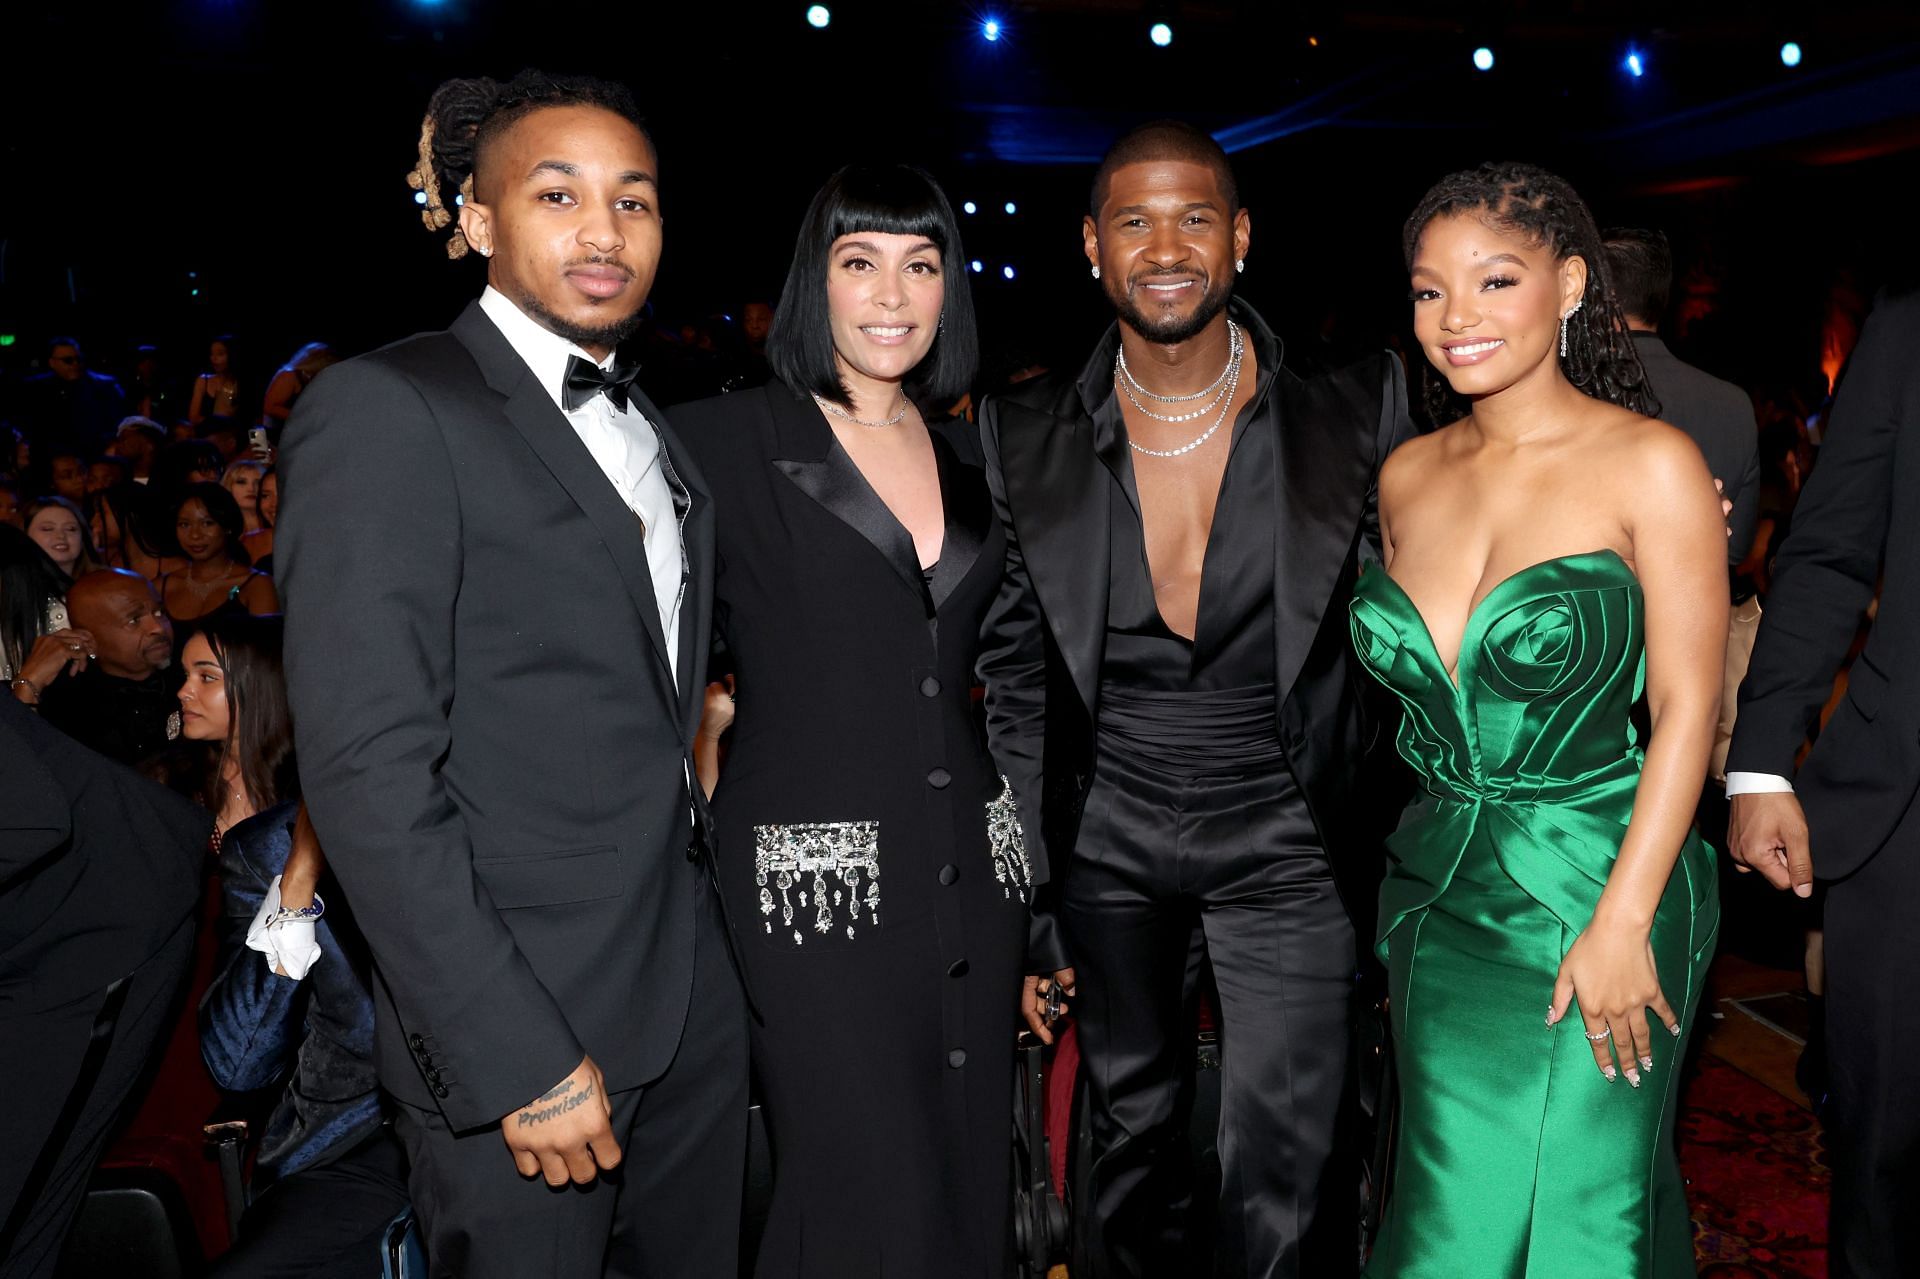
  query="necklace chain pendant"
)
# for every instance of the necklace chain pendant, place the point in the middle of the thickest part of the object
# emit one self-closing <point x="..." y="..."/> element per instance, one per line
<point x="1231" y="379"/>
<point x="828" y="406"/>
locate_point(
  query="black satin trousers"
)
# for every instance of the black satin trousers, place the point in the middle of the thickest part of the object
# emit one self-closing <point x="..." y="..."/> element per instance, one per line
<point x="1195" y="833"/>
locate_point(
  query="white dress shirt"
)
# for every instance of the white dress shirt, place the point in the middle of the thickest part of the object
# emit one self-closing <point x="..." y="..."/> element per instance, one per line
<point x="622" y="442"/>
<point x="1757" y="784"/>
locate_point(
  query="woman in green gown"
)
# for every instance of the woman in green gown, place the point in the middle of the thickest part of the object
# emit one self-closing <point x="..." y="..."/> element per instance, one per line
<point x="1551" y="555"/>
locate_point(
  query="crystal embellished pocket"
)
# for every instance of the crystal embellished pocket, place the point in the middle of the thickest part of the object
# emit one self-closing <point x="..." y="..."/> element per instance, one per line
<point x="1008" y="844"/>
<point x="819" y="878"/>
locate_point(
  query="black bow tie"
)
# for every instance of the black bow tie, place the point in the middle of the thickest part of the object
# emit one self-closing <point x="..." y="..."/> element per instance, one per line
<point x="585" y="379"/>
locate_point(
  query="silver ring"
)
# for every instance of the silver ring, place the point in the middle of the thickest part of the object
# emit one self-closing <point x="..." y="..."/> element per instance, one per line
<point x="1603" y="1035"/>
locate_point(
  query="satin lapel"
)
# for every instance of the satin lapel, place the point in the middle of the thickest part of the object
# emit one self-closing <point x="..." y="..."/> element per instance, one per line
<point x="551" y="437"/>
<point x="1060" y="495"/>
<point x="1325" y="451"/>
<point x="696" y="542"/>
<point x="821" y="469"/>
<point x="965" y="503"/>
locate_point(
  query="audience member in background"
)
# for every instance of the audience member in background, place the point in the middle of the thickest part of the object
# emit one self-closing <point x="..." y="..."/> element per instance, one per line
<point x="1716" y="415"/>
<point x="139" y="439"/>
<point x="66" y="473"/>
<point x="152" y="394"/>
<point x="242" y="479"/>
<point x="259" y="541"/>
<point x="109" y="514"/>
<point x="290" y="1002"/>
<point x="207" y="527"/>
<point x="181" y="431"/>
<point x="185" y="462"/>
<point x="37" y="642"/>
<point x="100" y="876"/>
<point x="227" y="435"/>
<point x="9" y="500"/>
<point x="107" y="471"/>
<point x="57" y="525"/>
<point x="292" y="378"/>
<point x="120" y="701"/>
<point x="1784" y="462"/>
<point x="68" y="404"/>
<point x="216" y="393"/>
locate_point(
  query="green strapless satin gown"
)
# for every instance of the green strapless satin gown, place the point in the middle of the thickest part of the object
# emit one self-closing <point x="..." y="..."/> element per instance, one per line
<point x="1515" y="1157"/>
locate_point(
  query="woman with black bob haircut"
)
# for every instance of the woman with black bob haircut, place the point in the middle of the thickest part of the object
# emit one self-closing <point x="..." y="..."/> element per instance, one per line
<point x="867" y="853"/>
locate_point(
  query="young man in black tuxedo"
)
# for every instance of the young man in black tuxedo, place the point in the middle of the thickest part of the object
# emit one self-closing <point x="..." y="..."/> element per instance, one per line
<point x="495" y="654"/>
<point x="1847" y="815"/>
<point x="1186" y="751"/>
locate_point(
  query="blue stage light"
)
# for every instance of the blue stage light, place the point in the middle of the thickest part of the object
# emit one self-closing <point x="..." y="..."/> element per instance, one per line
<point x="977" y="265"/>
<point x="1161" y="34"/>
<point x="1483" y="59"/>
<point x="419" y="197"/>
<point x="1635" y="64"/>
<point x="970" y="207"/>
<point x="1012" y="208"/>
<point x="818" y="16"/>
<point x="1007" y="271"/>
<point x="991" y="30"/>
<point x="1790" y="54"/>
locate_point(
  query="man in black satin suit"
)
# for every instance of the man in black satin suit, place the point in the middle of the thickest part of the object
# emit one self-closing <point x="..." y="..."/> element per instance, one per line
<point x="1847" y="815"/>
<point x="494" y="655"/>
<point x="1171" y="693"/>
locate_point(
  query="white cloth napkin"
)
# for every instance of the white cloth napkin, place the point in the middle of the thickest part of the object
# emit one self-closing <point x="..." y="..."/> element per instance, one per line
<point x="289" y="945"/>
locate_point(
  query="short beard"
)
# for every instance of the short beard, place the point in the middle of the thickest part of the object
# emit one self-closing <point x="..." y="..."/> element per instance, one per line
<point x="582" y="335"/>
<point x="1172" y="330"/>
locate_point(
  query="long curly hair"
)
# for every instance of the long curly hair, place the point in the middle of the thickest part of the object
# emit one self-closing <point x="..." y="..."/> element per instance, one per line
<point x="1542" y="207"/>
<point x="463" y="115"/>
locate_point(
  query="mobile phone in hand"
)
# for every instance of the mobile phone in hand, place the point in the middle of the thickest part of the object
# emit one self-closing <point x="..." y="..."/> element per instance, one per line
<point x="257" y="437"/>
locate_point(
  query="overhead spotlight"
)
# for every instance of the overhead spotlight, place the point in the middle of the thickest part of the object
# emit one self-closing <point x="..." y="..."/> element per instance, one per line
<point x="970" y="207"/>
<point x="977" y="265"/>
<point x="419" y="197"/>
<point x="818" y="16"/>
<point x="1790" y="54"/>
<point x="1007" y="271"/>
<point x="1161" y="34"/>
<point x="991" y="30"/>
<point x="1012" y="208"/>
<point x="1483" y="59"/>
<point x="1635" y="64"/>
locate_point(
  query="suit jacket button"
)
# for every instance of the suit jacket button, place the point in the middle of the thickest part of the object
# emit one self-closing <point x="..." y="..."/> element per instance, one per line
<point x="433" y="1076"/>
<point x="440" y="1091"/>
<point x="949" y="874"/>
<point x="939" y="779"/>
<point x="416" y="1043"/>
<point x="957" y="1058"/>
<point x="929" y="687"/>
<point x="958" y="968"/>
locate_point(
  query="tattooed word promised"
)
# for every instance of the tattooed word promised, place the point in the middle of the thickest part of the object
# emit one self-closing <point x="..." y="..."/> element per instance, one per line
<point x="529" y="1117"/>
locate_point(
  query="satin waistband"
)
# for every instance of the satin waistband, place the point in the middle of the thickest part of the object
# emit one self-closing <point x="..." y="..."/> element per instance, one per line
<point x="1193" y="732"/>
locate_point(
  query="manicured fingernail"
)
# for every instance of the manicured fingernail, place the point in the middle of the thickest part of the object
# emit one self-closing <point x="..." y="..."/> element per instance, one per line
<point x="1549" y="1014"/>
<point x="1610" y="1073"/>
<point x="1646" y="1063"/>
<point x="1674" y="1031"/>
<point x="1633" y="1077"/>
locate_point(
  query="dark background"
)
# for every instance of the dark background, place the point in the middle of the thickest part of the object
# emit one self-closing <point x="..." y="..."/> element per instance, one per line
<point x="255" y="151"/>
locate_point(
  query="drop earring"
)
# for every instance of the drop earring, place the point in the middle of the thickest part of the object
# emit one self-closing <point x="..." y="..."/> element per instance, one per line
<point x="1240" y="264"/>
<point x="1563" y="326"/>
<point x="1096" y="273"/>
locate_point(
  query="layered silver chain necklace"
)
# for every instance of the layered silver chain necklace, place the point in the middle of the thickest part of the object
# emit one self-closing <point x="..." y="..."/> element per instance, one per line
<point x="1218" y="396"/>
<point x="828" y="406"/>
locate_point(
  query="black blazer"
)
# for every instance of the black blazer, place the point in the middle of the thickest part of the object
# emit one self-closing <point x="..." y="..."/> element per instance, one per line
<point x="1718" y="416"/>
<point x="492" y="747"/>
<point x="1045" y="636"/>
<point x="99" y="867"/>
<point x="1856" y="523"/>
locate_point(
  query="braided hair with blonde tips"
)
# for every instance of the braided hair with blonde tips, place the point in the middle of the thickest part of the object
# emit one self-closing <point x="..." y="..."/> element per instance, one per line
<point x="1545" y="210"/>
<point x="463" y="118"/>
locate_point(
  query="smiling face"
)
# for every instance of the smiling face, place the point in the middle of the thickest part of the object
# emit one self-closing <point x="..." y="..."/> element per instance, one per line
<point x="200" y="536"/>
<point x="567" y="210"/>
<point x="58" y="533"/>
<point x="1165" y="242"/>
<point x="884" y="295"/>
<point x="1487" y="304"/>
<point x="205" y="715"/>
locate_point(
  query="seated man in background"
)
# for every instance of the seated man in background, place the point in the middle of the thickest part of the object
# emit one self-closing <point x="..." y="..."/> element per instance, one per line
<point x="122" y="704"/>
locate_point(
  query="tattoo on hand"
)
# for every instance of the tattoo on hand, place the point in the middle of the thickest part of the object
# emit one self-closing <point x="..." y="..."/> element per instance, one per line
<point x="552" y="1092"/>
<point x="530" y="1116"/>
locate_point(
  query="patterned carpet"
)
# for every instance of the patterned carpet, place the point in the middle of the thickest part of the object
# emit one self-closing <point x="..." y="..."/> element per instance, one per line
<point x="1756" y="1178"/>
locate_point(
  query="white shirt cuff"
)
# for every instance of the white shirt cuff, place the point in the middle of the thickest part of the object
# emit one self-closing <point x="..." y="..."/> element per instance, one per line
<point x="289" y="945"/>
<point x="1757" y="784"/>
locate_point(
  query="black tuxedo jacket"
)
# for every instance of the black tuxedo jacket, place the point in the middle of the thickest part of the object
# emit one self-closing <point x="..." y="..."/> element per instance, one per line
<point x="1856" y="524"/>
<point x="492" y="745"/>
<point x="1718" y="416"/>
<point x="1046" y="634"/>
